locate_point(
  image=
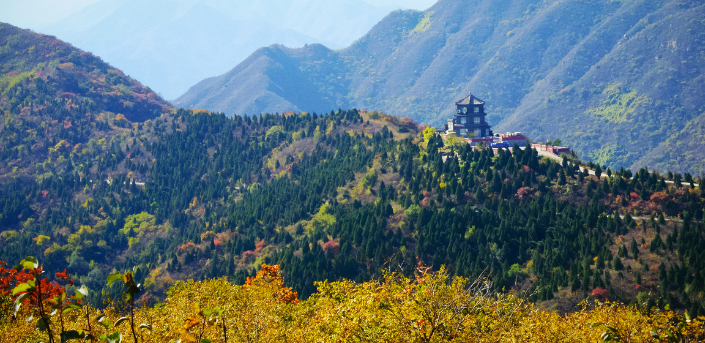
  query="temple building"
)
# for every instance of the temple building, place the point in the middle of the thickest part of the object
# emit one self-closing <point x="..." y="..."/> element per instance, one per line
<point x="470" y="117"/>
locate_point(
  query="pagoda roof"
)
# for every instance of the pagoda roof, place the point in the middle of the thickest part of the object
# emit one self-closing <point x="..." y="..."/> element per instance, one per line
<point x="470" y="99"/>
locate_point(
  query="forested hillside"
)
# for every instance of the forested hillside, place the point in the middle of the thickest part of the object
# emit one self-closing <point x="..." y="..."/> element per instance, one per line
<point x="61" y="107"/>
<point x="345" y="194"/>
<point x="37" y="71"/>
<point x="620" y="81"/>
<point x="109" y="179"/>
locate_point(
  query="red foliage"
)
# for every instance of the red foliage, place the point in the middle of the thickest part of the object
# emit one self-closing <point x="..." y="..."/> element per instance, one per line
<point x="332" y="246"/>
<point x="64" y="276"/>
<point x="659" y="197"/>
<point x="25" y="111"/>
<point x="600" y="293"/>
<point x="524" y="193"/>
<point x="217" y="242"/>
<point x="406" y="121"/>
<point x="259" y="245"/>
<point x="9" y="278"/>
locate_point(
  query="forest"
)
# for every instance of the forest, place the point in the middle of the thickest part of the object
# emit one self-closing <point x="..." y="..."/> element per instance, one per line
<point x="198" y="195"/>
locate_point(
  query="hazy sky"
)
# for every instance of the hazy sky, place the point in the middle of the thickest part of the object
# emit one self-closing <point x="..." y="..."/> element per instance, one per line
<point x="170" y="45"/>
<point x="35" y="14"/>
<point x="411" y="4"/>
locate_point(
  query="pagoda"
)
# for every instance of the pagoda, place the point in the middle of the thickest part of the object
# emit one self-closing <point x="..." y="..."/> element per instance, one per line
<point x="470" y="117"/>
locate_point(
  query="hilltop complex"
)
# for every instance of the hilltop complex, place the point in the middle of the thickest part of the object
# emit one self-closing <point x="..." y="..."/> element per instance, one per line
<point x="470" y="119"/>
<point x="470" y="123"/>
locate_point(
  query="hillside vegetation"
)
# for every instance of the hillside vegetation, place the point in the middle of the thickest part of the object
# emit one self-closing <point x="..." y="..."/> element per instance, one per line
<point x="38" y="71"/>
<point x="61" y="106"/>
<point x="373" y="220"/>
<point x="342" y="196"/>
<point x="428" y="308"/>
<point x="620" y="81"/>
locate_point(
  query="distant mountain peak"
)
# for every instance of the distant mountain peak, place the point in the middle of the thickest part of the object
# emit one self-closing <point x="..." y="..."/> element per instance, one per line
<point x="540" y="67"/>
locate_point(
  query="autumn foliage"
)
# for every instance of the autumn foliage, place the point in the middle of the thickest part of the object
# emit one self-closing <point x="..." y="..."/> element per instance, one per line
<point x="269" y="276"/>
<point x="428" y="307"/>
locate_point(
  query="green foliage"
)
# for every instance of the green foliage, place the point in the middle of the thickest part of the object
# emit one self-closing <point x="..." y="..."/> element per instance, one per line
<point x="413" y="212"/>
<point x="609" y="73"/>
<point x="424" y="24"/>
<point x="620" y="103"/>
<point x="204" y="203"/>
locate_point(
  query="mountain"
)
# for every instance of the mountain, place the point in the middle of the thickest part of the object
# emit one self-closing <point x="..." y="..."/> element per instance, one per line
<point x="56" y="99"/>
<point x="172" y="44"/>
<point x="616" y="80"/>
<point x="98" y="174"/>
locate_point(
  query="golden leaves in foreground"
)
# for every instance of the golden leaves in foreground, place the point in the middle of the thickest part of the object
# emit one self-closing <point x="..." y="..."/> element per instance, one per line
<point x="429" y="307"/>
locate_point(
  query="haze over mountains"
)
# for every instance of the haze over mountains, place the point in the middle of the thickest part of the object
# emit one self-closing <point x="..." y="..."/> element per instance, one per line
<point x="616" y="80"/>
<point x="170" y="45"/>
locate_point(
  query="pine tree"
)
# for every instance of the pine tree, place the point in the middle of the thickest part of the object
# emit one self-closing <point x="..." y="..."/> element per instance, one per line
<point x="634" y="249"/>
<point x="618" y="263"/>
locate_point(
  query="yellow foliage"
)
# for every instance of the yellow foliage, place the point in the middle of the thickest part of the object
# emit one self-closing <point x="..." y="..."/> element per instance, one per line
<point x="9" y="234"/>
<point x="322" y="219"/>
<point x="428" y="307"/>
<point x="85" y="229"/>
<point x="41" y="239"/>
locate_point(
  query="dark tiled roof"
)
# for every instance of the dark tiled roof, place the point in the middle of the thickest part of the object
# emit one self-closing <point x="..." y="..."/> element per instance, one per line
<point x="468" y="99"/>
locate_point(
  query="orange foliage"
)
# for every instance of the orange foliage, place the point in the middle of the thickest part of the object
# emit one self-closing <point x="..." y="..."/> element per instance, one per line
<point x="187" y="247"/>
<point x="270" y="275"/>
<point x="332" y="246"/>
<point x="259" y="245"/>
<point x="659" y="197"/>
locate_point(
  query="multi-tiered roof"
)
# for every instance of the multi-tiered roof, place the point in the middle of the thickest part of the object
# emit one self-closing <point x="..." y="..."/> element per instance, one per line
<point x="470" y="118"/>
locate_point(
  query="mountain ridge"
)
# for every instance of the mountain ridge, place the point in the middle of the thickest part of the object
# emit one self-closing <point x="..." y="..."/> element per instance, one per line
<point x="532" y="62"/>
<point x="172" y="44"/>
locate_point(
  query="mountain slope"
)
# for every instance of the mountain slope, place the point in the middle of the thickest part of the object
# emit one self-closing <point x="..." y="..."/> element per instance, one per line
<point x="61" y="106"/>
<point x="35" y="68"/>
<point x="546" y="68"/>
